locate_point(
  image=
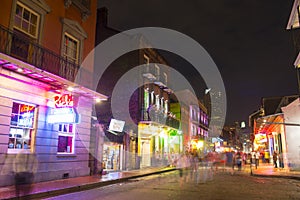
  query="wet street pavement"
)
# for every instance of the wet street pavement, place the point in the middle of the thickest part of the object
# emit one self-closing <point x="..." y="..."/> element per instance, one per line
<point x="221" y="185"/>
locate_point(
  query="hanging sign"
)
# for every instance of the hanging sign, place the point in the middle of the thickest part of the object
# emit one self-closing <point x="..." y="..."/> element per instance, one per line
<point x="116" y="125"/>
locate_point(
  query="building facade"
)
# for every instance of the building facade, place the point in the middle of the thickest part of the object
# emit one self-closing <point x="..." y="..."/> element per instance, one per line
<point x="194" y="122"/>
<point x="292" y="127"/>
<point x="153" y="134"/>
<point x="46" y="102"/>
<point x="269" y="128"/>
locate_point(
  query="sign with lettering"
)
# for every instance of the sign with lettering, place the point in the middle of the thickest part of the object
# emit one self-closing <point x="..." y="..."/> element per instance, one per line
<point x="63" y="115"/>
<point x="63" y="100"/>
<point x="26" y="108"/>
<point x="116" y="125"/>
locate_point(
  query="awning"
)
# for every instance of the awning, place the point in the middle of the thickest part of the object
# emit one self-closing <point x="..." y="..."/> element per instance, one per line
<point x="268" y="123"/>
<point x="56" y="82"/>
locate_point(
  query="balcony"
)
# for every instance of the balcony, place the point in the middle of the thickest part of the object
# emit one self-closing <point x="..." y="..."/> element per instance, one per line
<point x="160" y="117"/>
<point x="172" y="122"/>
<point x="161" y="81"/>
<point x="19" y="46"/>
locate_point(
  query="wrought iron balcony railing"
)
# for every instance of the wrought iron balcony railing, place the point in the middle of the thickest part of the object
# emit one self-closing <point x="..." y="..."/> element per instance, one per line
<point x="161" y="81"/>
<point x="173" y="122"/>
<point x="161" y="118"/>
<point x="149" y="72"/>
<point x="21" y="47"/>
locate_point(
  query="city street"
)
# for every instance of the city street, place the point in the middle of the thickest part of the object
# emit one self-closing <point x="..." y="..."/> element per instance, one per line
<point x="221" y="185"/>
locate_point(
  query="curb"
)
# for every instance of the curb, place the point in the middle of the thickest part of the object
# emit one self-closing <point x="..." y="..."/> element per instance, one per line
<point x="276" y="176"/>
<point x="88" y="186"/>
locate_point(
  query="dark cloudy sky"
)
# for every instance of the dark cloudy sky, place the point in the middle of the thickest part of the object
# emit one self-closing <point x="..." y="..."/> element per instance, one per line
<point x="247" y="40"/>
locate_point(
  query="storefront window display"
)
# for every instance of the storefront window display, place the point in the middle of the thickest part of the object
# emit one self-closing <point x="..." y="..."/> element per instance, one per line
<point x="111" y="157"/>
<point x="66" y="136"/>
<point x="21" y="126"/>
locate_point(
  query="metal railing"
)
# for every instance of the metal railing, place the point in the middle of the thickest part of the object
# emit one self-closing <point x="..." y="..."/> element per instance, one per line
<point x="161" y="80"/>
<point x="21" y="47"/>
<point x="162" y="118"/>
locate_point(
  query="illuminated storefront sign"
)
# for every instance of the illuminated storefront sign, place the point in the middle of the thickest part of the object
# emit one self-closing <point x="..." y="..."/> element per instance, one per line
<point x="63" y="111"/>
<point x="26" y="108"/>
<point x="261" y="138"/>
<point x="116" y="125"/>
<point x="197" y="144"/>
<point x="63" y="115"/>
<point x="260" y="141"/>
<point x="64" y="100"/>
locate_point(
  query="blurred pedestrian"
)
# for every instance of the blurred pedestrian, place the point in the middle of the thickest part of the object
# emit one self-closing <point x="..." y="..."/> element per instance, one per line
<point x="280" y="159"/>
<point x="214" y="159"/>
<point x="229" y="159"/>
<point x="24" y="167"/>
<point x="244" y="158"/>
<point x="257" y="156"/>
<point x="195" y="167"/>
<point x="267" y="156"/>
<point x="263" y="157"/>
<point x="238" y="160"/>
<point x="233" y="162"/>
<point x="223" y="160"/>
<point x="275" y="159"/>
<point x="253" y="157"/>
<point x="182" y="166"/>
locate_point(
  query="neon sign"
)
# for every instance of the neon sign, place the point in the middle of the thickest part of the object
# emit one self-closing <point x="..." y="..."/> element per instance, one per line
<point x="63" y="101"/>
<point x="26" y="108"/>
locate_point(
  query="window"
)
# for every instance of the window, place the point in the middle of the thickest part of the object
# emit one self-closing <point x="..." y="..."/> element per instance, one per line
<point x="73" y="36"/>
<point x="21" y="126"/>
<point x="71" y="48"/>
<point x="26" y="20"/>
<point x="193" y="114"/>
<point x="194" y="130"/>
<point x="66" y="138"/>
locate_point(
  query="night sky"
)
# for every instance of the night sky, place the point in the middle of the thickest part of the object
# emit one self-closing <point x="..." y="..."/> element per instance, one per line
<point x="247" y="40"/>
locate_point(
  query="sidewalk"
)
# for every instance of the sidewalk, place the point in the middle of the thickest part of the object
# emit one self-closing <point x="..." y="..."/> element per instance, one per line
<point x="63" y="186"/>
<point x="268" y="170"/>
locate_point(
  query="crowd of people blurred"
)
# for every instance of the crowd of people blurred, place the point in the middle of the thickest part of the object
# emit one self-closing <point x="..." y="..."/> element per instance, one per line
<point x="189" y="162"/>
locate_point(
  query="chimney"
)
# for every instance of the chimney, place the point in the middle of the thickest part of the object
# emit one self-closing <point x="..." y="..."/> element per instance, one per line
<point x="102" y="16"/>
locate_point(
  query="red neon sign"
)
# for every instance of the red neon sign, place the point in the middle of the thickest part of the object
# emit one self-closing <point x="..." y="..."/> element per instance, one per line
<point x="64" y="100"/>
<point x="26" y="108"/>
